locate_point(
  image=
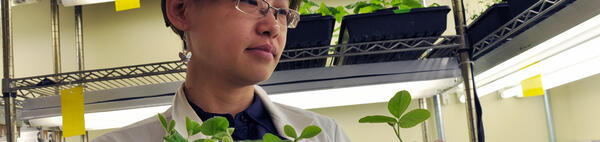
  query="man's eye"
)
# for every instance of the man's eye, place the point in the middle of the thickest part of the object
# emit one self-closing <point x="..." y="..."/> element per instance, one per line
<point x="252" y="2"/>
<point x="283" y="12"/>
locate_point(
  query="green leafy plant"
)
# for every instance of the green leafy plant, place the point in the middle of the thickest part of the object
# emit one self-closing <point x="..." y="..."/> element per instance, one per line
<point x="309" y="7"/>
<point x="404" y="6"/>
<point x="397" y="106"/>
<point x="217" y="128"/>
<point x="488" y="4"/>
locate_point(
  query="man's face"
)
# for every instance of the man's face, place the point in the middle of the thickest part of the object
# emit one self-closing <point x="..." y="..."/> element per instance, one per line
<point x="228" y="43"/>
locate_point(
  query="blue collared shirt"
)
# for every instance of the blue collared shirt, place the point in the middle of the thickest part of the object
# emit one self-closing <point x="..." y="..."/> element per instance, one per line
<point x="250" y="124"/>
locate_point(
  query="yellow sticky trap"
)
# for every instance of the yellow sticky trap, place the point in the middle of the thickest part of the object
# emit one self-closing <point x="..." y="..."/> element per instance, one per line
<point x="121" y="5"/>
<point x="72" y="108"/>
<point x="532" y="86"/>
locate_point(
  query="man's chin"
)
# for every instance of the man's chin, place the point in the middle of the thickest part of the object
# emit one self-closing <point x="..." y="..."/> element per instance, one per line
<point x="255" y="79"/>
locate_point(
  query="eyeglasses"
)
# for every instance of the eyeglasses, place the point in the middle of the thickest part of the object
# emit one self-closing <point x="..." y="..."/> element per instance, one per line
<point x="261" y="8"/>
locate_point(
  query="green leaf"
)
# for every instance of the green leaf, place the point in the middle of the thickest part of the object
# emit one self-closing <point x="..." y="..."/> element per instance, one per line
<point x="323" y="9"/>
<point x="307" y="7"/>
<point x="377" y="119"/>
<point x="311" y="3"/>
<point x="221" y="135"/>
<point x="175" y="137"/>
<point x="398" y="104"/>
<point x="359" y="5"/>
<point x="171" y="126"/>
<point x="392" y="124"/>
<point x="341" y="12"/>
<point x="205" y="140"/>
<point x="214" y="125"/>
<point x="413" y="118"/>
<point x="290" y="131"/>
<point x="404" y="7"/>
<point x="396" y="2"/>
<point x="188" y="126"/>
<point x="303" y="10"/>
<point x="350" y="6"/>
<point x="412" y="3"/>
<point x="192" y="127"/>
<point x="400" y="11"/>
<point x="163" y="121"/>
<point x="434" y="5"/>
<point x="310" y="132"/>
<point x="366" y="9"/>
<point x="230" y="131"/>
<point x="227" y="139"/>
<point x="380" y="2"/>
<point x="370" y="8"/>
<point x="268" y="137"/>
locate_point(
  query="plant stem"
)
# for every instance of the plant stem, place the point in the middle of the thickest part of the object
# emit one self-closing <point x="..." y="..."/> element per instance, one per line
<point x="399" y="133"/>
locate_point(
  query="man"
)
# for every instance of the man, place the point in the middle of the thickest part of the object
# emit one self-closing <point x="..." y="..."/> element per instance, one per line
<point x="234" y="45"/>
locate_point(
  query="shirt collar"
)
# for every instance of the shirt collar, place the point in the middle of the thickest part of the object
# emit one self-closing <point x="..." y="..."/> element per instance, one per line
<point x="181" y="108"/>
<point x="256" y="111"/>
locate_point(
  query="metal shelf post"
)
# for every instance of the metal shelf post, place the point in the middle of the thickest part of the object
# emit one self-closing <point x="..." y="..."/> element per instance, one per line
<point x="466" y="66"/>
<point x="8" y="96"/>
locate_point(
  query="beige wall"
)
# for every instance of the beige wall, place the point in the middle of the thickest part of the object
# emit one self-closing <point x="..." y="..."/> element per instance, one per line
<point x="348" y="116"/>
<point x="512" y="119"/>
<point x="576" y="112"/>
<point x="111" y="38"/>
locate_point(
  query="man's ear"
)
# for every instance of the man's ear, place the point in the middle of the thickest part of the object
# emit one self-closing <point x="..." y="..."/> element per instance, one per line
<point x="175" y="10"/>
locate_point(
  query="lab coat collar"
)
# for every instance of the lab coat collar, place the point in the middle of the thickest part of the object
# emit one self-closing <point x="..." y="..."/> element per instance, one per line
<point x="181" y="108"/>
<point x="280" y="119"/>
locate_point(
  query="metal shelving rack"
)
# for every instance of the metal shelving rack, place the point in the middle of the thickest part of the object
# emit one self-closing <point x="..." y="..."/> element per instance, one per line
<point x="16" y="90"/>
<point x="156" y="73"/>
<point x="521" y="22"/>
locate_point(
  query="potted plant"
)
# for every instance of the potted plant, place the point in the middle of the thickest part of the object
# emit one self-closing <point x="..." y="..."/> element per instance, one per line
<point x="379" y="20"/>
<point x="517" y="7"/>
<point x="397" y="106"/>
<point x="314" y="29"/>
<point x="489" y="21"/>
<point x="217" y="129"/>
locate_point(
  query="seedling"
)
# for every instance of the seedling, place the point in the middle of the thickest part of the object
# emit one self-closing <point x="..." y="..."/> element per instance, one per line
<point x="397" y="106"/>
<point x="217" y="129"/>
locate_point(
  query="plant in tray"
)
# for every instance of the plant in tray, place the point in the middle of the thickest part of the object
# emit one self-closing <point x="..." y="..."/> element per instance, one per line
<point x="403" y="6"/>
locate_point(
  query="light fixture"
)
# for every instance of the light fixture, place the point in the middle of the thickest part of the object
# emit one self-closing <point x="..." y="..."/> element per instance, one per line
<point x="567" y="57"/>
<point x="82" y="2"/>
<point x="359" y="94"/>
<point x="106" y="120"/>
<point x="105" y="109"/>
<point x="516" y="91"/>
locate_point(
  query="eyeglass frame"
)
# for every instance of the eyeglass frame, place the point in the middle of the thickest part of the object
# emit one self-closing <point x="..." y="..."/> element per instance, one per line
<point x="289" y="24"/>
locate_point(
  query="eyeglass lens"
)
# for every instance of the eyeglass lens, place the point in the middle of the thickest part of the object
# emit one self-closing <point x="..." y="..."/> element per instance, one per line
<point x="262" y="8"/>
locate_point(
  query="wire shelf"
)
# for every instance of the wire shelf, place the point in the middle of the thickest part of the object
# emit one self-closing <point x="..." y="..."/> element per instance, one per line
<point x="521" y="22"/>
<point x="164" y="72"/>
<point x="369" y="48"/>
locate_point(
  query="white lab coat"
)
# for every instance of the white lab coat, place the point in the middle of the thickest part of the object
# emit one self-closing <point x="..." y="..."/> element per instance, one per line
<point x="150" y="129"/>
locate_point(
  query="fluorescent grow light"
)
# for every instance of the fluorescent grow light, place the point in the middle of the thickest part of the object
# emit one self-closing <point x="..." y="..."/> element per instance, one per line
<point x="82" y="2"/>
<point x="106" y="120"/>
<point x="306" y="100"/>
<point x="569" y="56"/>
<point x="359" y="94"/>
